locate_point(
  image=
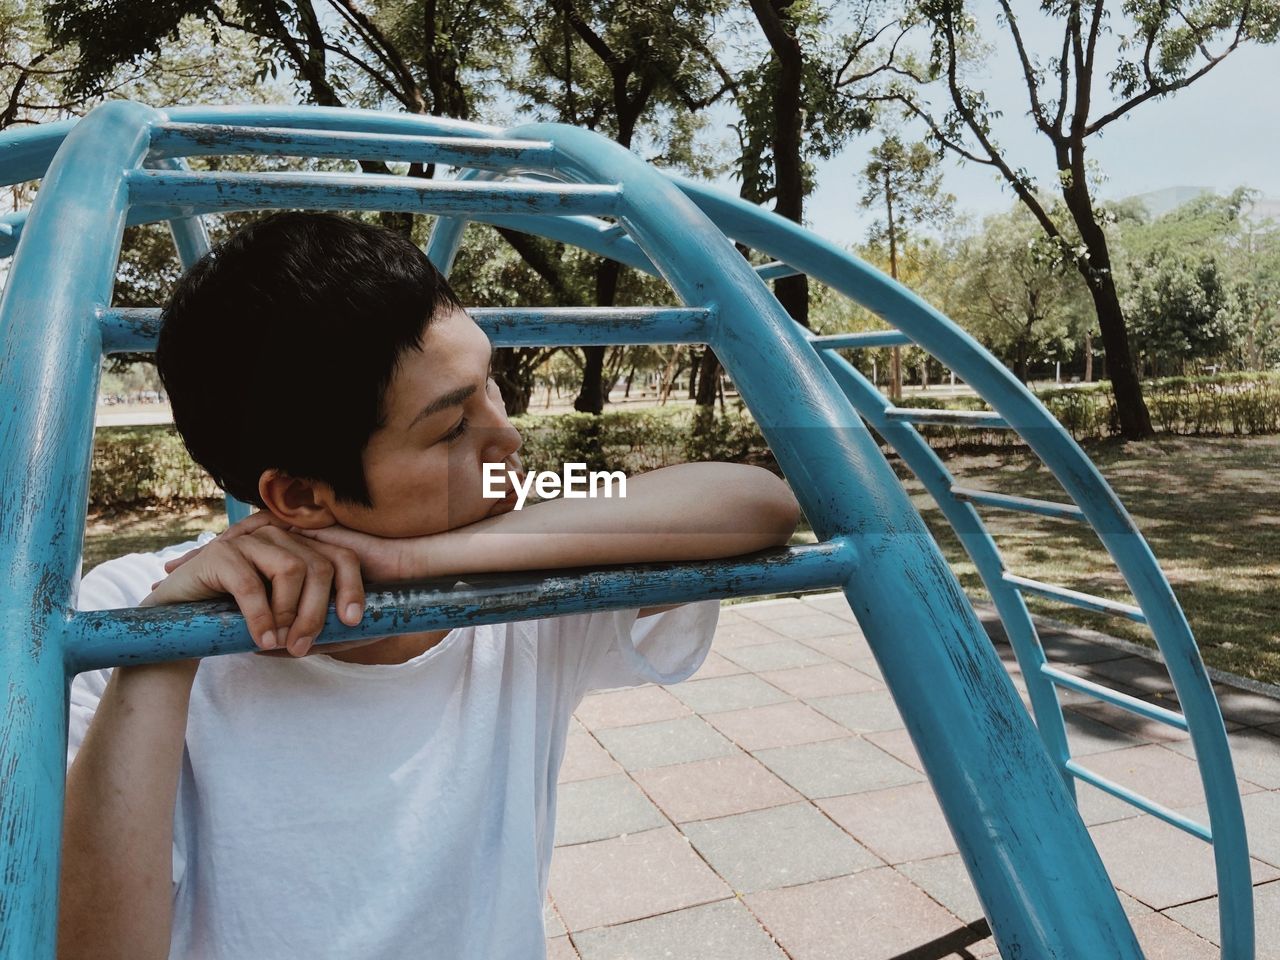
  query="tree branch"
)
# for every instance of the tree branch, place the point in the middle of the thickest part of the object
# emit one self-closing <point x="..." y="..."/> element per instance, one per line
<point x="1028" y="71"/>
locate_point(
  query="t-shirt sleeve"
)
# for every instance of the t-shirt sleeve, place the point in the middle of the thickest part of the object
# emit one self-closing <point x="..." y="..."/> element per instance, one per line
<point x="617" y="648"/>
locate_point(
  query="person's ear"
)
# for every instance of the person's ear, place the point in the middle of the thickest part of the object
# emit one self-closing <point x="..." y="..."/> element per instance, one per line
<point x="303" y="503"/>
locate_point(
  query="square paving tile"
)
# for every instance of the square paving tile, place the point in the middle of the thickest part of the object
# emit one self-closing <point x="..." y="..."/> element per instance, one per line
<point x="727" y="693"/>
<point x="1086" y="735"/>
<point x="1165" y="939"/>
<point x="860" y="712"/>
<point x="827" y="679"/>
<point x="1202" y="918"/>
<point x="551" y="920"/>
<point x="834" y="768"/>
<point x="619" y="708"/>
<point x="745" y="633"/>
<point x="1137" y="673"/>
<point x="870" y="915"/>
<point x="1261" y="823"/>
<point x="628" y="878"/>
<point x="1253" y="709"/>
<point x="560" y="948"/>
<point x="1156" y="772"/>
<point x="853" y="652"/>
<point x="589" y="810"/>
<point x="777" y="725"/>
<point x="946" y="880"/>
<point x="836" y="604"/>
<point x="898" y="744"/>
<point x="715" y="931"/>
<point x="714" y="788"/>
<point x="762" y="611"/>
<point x="717" y="666"/>
<point x="1161" y="865"/>
<point x="1256" y="755"/>
<point x="1098" y="806"/>
<point x="668" y="741"/>
<point x="780" y="655"/>
<point x="898" y="824"/>
<point x="1138" y="729"/>
<point x="1069" y="648"/>
<point x="585" y="759"/>
<point x="778" y="847"/>
<point x="814" y="623"/>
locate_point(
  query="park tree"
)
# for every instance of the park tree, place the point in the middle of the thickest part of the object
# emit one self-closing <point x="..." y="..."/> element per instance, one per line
<point x="904" y="181"/>
<point x="1075" y="91"/>
<point x="1015" y="294"/>
<point x="1253" y="263"/>
<point x="640" y="73"/>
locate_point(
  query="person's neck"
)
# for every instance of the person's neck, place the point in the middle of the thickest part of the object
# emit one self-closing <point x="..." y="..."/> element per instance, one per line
<point x="399" y="649"/>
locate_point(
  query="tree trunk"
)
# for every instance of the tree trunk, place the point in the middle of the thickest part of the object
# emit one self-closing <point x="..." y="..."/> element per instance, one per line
<point x="1135" y="420"/>
<point x="708" y="378"/>
<point x="1088" y="356"/>
<point x="591" y="395"/>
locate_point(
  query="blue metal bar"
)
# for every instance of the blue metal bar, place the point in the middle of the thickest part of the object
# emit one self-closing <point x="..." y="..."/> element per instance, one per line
<point x="952" y="418"/>
<point x="924" y="462"/>
<point x="1141" y="802"/>
<point x="106" y="637"/>
<point x="134" y="329"/>
<point x="862" y="341"/>
<point x="62" y="273"/>
<point x="776" y="271"/>
<point x="1045" y="508"/>
<point x="1149" y="710"/>
<point x="1085" y="600"/>
<point x="222" y="192"/>
<point x="195" y="139"/>
<point x="1014" y="822"/>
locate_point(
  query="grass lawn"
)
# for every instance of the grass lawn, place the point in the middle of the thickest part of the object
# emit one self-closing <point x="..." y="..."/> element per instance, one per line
<point x="1209" y="506"/>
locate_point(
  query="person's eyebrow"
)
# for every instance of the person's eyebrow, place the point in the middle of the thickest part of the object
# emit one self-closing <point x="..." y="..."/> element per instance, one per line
<point x="443" y="403"/>
<point x="451" y="399"/>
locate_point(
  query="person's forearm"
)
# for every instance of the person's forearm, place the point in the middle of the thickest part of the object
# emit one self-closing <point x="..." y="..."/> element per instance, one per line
<point x="696" y="511"/>
<point x="116" y="883"/>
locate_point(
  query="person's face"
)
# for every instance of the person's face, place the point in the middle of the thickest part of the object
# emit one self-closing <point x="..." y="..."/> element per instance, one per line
<point x="444" y="420"/>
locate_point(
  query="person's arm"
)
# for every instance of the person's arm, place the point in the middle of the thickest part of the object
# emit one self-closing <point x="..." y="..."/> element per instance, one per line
<point x="116" y="896"/>
<point x="117" y="835"/>
<point x="692" y="511"/>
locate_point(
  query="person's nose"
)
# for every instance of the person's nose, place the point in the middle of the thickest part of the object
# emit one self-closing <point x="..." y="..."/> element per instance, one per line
<point x="503" y="438"/>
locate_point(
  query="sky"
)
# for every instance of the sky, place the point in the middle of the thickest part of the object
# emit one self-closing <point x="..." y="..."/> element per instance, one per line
<point x="1221" y="132"/>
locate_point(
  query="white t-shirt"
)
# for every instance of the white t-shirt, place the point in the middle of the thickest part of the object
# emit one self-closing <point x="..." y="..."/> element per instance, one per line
<point x="329" y="809"/>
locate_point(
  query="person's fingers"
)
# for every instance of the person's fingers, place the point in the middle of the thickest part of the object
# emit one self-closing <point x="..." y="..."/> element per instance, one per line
<point x="233" y="573"/>
<point x="348" y="584"/>
<point x="249" y="524"/>
<point x="312" y="603"/>
<point x="286" y="564"/>
<point x="176" y="562"/>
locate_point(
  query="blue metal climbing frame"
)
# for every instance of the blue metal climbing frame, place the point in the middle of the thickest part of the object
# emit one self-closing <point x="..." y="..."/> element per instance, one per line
<point x="1006" y="784"/>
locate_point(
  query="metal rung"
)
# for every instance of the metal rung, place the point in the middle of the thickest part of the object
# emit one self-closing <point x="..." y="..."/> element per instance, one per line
<point x="874" y="338"/>
<point x="777" y="270"/>
<point x="199" y="139"/>
<point x="134" y="329"/>
<point x="192" y="193"/>
<point x="1139" y="801"/>
<point x="1149" y="710"/>
<point x="102" y="638"/>
<point x="950" y="418"/>
<point x="1086" y="600"/>
<point x="1045" y="508"/>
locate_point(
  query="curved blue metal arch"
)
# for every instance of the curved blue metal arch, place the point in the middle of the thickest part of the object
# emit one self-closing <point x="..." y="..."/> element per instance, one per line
<point x="1027" y="917"/>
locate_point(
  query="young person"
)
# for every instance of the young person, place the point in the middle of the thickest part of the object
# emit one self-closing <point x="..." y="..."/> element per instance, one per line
<point x="387" y="798"/>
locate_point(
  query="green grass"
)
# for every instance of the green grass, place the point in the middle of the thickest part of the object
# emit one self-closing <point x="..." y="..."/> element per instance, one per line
<point x="1210" y="508"/>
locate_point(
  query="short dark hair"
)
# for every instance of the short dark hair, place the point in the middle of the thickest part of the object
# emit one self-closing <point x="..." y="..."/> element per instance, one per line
<point x="276" y="349"/>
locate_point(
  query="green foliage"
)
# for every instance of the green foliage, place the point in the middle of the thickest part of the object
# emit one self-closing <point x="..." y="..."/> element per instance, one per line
<point x="149" y="464"/>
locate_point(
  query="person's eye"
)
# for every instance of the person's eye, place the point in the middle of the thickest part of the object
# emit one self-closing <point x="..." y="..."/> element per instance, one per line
<point x="456" y="432"/>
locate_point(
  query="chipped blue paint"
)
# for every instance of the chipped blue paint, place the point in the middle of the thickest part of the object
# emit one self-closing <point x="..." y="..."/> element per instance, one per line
<point x="1007" y="801"/>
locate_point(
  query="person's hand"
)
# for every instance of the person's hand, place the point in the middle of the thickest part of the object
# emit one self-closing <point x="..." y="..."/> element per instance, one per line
<point x="382" y="559"/>
<point x="301" y="574"/>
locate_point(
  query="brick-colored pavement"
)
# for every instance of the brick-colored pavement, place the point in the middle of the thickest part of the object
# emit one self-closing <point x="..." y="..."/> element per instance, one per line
<point x="773" y="807"/>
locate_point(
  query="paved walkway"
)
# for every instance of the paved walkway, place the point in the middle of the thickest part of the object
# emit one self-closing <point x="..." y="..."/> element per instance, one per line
<point x="773" y="807"/>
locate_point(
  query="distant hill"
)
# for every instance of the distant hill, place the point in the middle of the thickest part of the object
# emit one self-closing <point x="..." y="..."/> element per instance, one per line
<point x="1160" y="202"/>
